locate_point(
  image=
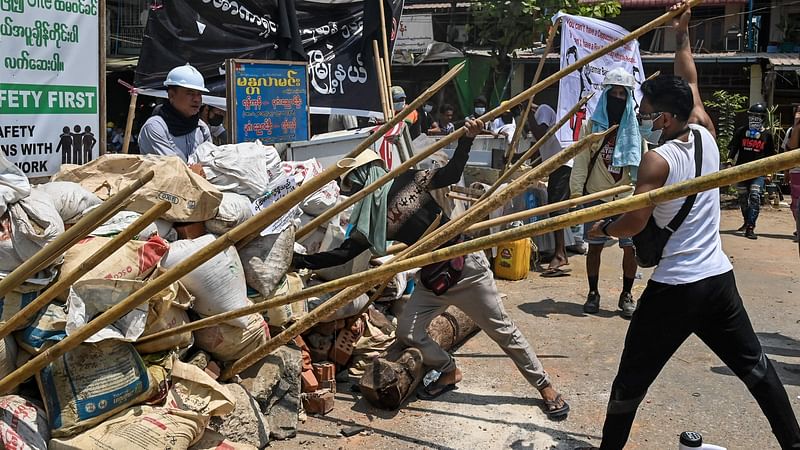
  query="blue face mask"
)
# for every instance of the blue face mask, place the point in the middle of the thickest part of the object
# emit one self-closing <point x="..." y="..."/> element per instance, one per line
<point x="648" y="133"/>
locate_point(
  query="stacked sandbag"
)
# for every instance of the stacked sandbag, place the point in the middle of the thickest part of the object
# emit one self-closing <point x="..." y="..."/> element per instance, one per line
<point x="239" y="168"/>
<point x="27" y="226"/>
<point x="234" y="210"/>
<point x="70" y="199"/>
<point x="23" y="424"/>
<point x="122" y="219"/>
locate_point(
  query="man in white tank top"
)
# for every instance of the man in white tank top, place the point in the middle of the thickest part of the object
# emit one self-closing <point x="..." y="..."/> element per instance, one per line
<point x="692" y="290"/>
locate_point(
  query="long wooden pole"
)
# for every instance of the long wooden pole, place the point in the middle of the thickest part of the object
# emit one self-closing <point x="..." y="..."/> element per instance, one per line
<point x="387" y="90"/>
<point x="551" y="35"/>
<point x="534" y="148"/>
<point x="504" y="106"/>
<point x="379" y="72"/>
<point x="66" y="280"/>
<point x="434" y="240"/>
<point x="246" y="230"/>
<point x="77" y="232"/>
<point x="385" y="41"/>
<point x="129" y="122"/>
<point x="426" y="244"/>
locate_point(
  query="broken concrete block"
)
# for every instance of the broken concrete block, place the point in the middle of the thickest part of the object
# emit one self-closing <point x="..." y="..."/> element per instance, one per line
<point x="245" y="423"/>
<point x="275" y="383"/>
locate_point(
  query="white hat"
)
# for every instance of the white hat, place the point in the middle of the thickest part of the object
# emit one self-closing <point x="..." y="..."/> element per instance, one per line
<point x="619" y="77"/>
<point x="365" y="157"/>
<point x="186" y="76"/>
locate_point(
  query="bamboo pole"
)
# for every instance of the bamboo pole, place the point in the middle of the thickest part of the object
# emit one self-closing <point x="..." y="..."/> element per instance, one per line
<point x="385" y="40"/>
<point x="66" y="280"/>
<point x="651" y="198"/>
<point x="327" y="215"/>
<point x="379" y="72"/>
<point x="425" y="244"/>
<point x="457" y="196"/>
<point x="535" y="148"/>
<point x="523" y="120"/>
<point x="435" y="239"/>
<point x="504" y="106"/>
<point x="77" y="232"/>
<point x="387" y="91"/>
<point x="129" y="122"/>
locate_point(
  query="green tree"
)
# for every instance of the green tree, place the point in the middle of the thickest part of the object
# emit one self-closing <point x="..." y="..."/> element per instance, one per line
<point x="505" y="26"/>
<point x="726" y="105"/>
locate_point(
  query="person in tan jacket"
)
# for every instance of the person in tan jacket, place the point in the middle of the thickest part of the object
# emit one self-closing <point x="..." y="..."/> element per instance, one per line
<point x="611" y="163"/>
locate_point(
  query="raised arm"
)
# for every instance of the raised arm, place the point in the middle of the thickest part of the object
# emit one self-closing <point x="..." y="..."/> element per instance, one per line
<point x="685" y="68"/>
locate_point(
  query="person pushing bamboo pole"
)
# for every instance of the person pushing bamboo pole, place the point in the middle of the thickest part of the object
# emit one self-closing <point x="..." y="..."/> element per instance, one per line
<point x="504" y="106"/>
<point x="77" y="232"/>
<point x="651" y="198"/>
<point x="66" y="280"/>
<point x="535" y="147"/>
<point x="245" y="230"/>
<point x="524" y="119"/>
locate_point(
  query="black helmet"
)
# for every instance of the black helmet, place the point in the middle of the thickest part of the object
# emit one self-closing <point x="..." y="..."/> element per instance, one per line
<point x="758" y="108"/>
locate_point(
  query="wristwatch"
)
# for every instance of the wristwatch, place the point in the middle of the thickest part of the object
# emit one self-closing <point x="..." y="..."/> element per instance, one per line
<point x="604" y="229"/>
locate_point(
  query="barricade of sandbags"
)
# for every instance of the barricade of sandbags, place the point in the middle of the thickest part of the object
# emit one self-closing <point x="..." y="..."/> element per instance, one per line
<point x="240" y="168"/>
<point x="228" y="343"/>
<point x="193" y="198"/>
<point x="121" y="220"/>
<point x="267" y="259"/>
<point x="23" y="424"/>
<point x="70" y="199"/>
<point x="14" y="185"/>
<point x="29" y="225"/>
<point x="234" y="210"/>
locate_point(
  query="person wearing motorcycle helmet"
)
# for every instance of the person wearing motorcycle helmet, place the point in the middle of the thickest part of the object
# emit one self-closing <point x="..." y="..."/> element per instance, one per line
<point x="175" y="129"/>
<point x="611" y="163"/>
<point x="751" y="143"/>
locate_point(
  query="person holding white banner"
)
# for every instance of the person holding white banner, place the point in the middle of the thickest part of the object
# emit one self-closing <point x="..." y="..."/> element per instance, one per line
<point x="612" y="163"/>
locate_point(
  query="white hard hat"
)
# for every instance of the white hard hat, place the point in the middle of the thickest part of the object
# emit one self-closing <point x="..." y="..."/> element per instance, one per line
<point x="186" y="76"/>
<point x="619" y="77"/>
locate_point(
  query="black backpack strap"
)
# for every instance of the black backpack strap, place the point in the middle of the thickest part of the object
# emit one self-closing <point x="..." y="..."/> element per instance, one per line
<point x="689" y="202"/>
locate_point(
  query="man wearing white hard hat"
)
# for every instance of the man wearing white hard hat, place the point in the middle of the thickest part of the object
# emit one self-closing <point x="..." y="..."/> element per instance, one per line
<point x="176" y="129"/>
<point x="614" y="162"/>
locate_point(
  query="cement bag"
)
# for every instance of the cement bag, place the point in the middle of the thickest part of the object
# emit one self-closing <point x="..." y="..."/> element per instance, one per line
<point x="133" y="261"/>
<point x="213" y="440"/>
<point x="227" y="343"/>
<point x="90" y="298"/>
<point x="8" y="356"/>
<point x="14" y="185"/>
<point x="193" y="198"/>
<point x="45" y="331"/>
<point x="233" y="210"/>
<point x="167" y="310"/>
<point x="195" y="391"/>
<point x="322" y="199"/>
<point x="350" y="309"/>
<point x="70" y="199"/>
<point x="218" y="285"/>
<point x="93" y="382"/>
<point x="23" y="424"/>
<point x="278" y="316"/>
<point x="139" y="428"/>
<point x="121" y="220"/>
<point x="239" y="168"/>
<point x="267" y="259"/>
<point x="34" y="223"/>
<point x="17" y="299"/>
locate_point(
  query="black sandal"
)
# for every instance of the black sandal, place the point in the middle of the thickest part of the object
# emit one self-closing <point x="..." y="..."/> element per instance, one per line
<point x="553" y="411"/>
<point x="434" y="390"/>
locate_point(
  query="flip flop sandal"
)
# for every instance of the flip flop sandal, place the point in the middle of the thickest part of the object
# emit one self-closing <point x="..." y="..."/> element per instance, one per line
<point x="555" y="272"/>
<point x="552" y="410"/>
<point x="434" y="390"/>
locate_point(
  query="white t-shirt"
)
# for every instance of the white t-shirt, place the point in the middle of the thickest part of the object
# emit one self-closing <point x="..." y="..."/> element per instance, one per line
<point x="694" y="251"/>
<point x="545" y="115"/>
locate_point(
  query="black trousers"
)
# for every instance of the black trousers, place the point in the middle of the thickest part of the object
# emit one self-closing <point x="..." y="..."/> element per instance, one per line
<point x="712" y="309"/>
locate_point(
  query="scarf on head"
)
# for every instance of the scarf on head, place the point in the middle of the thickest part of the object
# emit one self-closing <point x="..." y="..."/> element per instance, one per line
<point x="628" y="149"/>
<point x="369" y="215"/>
<point x="177" y="124"/>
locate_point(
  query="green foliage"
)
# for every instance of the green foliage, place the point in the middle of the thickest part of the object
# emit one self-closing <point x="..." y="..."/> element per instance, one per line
<point x="726" y="104"/>
<point x="773" y="125"/>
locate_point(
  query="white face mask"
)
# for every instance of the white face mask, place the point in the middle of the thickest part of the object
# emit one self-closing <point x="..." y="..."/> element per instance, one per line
<point x="479" y="110"/>
<point x="399" y="105"/>
<point x="648" y="133"/>
<point x="427" y="108"/>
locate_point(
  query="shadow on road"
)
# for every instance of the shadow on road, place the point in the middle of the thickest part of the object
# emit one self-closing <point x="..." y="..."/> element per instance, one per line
<point x="543" y="308"/>
<point x="761" y="235"/>
<point x="778" y="345"/>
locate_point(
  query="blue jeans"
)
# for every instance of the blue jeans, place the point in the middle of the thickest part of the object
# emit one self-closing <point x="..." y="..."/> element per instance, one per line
<point x="750" y="193"/>
<point x="623" y="241"/>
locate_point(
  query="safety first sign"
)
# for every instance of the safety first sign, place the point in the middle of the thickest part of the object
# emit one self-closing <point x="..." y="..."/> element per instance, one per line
<point x="49" y="74"/>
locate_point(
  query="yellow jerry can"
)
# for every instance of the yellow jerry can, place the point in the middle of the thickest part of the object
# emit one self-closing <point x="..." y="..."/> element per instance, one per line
<point x="513" y="260"/>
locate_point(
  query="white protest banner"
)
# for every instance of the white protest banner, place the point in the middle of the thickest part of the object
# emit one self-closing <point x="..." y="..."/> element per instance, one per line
<point x="49" y="76"/>
<point x="581" y="36"/>
<point x="280" y="187"/>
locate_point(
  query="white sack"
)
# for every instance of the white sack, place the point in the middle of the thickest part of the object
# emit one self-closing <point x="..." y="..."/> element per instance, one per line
<point x="34" y="223"/>
<point x="233" y="210"/>
<point x="70" y="199"/>
<point x="239" y="168"/>
<point x="14" y="185"/>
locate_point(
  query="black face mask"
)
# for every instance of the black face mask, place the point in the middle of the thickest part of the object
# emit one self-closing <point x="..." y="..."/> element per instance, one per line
<point x="215" y="120"/>
<point x="615" y="107"/>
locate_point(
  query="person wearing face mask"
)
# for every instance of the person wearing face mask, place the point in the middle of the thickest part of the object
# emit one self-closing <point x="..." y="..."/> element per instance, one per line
<point x="750" y="143"/>
<point x="611" y="163"/>
<point x="426" y="119"/>
<point x="175" y="129"/>
<point x="402" y="210"/>
<point x="215" y="117"/>
<point x="478" y="109"/>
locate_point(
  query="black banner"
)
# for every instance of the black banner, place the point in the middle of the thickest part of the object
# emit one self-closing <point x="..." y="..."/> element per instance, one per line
<point x="334" y="37"/>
